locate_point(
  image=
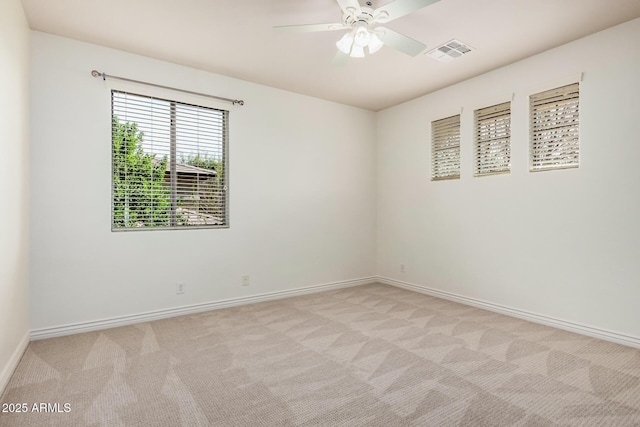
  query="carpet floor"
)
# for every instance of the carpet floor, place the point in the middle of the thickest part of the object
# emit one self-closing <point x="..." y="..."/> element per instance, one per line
<point x="372" y="355"/>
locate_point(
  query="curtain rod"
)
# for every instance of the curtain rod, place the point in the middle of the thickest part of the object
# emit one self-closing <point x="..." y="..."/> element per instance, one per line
<point x="104" y="76"/>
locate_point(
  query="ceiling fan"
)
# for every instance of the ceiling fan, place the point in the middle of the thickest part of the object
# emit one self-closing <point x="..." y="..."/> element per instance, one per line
<point x="364" y="32"/>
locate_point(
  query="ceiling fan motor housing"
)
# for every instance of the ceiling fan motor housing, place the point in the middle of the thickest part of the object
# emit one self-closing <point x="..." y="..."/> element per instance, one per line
<point x="364" y="16"/>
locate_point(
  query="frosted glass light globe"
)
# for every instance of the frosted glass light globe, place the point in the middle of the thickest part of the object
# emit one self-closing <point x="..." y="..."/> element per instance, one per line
<point x="362" y="37"/>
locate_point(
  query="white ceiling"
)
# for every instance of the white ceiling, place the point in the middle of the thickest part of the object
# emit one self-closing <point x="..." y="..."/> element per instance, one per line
<point x="235" y="38"/>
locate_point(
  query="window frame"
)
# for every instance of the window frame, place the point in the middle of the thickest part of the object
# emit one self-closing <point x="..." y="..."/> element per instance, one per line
<point x="443" y="131"/>
<point x="172" y="98"/>
<point x="500" y="115"/>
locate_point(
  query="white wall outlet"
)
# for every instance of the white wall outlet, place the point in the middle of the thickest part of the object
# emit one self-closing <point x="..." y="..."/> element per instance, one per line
<point x="180" y="288"/>
<point x="403" y="268"/>
<point x="245" y="280"/>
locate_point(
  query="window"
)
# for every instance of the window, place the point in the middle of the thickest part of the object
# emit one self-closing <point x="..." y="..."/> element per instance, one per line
<point x="554" y="128"/>
<point x="445" y="148"/>
<point x="169" y="164"/>
<point x="493" y="140"/>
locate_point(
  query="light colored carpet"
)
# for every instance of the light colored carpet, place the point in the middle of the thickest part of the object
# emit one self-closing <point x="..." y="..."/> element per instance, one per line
<point x="372" y="355"/>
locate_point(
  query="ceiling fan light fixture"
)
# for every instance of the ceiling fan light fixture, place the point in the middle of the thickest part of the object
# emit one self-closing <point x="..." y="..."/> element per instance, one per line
<point x="361" y="36"/>
<point x="345" y="43"/>
<point x="355" y="41"/>
<point x="357" y="51"/>
<point x="375" y="44"/>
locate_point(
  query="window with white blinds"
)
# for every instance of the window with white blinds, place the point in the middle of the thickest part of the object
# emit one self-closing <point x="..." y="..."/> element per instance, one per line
<point x="445" y="148"/>
<point x="554" y="128"/>
<point x="492" y="150"/>
<point x="169" y="164"/>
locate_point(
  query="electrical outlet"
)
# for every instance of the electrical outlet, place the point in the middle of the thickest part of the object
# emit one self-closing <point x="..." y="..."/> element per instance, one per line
<point x="245" y="280"/>
<point x="180" y="288"/>
<point x="402" y="268"/>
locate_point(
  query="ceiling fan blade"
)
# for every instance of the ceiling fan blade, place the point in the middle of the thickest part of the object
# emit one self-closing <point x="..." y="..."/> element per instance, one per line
<point x="308" y="28"/>
<point x="398" y="8"/>
<point x="401" y="42"/>
<point x="348" y="4"/>
<point x="340" y="60"/>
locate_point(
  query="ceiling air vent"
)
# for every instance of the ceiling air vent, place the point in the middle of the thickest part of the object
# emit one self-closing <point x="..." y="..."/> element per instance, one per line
<point x="449" y="51"/>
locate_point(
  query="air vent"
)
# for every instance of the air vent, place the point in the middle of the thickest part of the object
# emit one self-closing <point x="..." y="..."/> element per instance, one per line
<point x="449" y="51"/>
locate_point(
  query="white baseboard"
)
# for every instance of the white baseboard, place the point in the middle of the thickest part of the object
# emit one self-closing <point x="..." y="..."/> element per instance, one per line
<point x="114" y="322"/>
<point x="521" y="314"/>
<point x="214" y="305"/>
<point x="11" y="365"/>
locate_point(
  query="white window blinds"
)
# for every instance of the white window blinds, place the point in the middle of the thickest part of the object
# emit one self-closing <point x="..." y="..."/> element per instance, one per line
<point x="445" y="148"/>
<point x="169" y="164"/>
<point x="554" y="128"/>
<point x="492" y="149"/>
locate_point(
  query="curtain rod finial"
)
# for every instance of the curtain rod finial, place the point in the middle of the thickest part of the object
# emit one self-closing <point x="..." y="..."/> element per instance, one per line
<point x="96" y="73"/>
<point x="238" y="101"/>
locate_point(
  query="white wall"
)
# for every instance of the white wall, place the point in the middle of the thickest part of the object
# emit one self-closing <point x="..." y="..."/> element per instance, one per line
<point x="564" y="244"/>
<point x="14" y="175"/>
<point x="302" y="194"/>
<point x="304" y="188"/>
